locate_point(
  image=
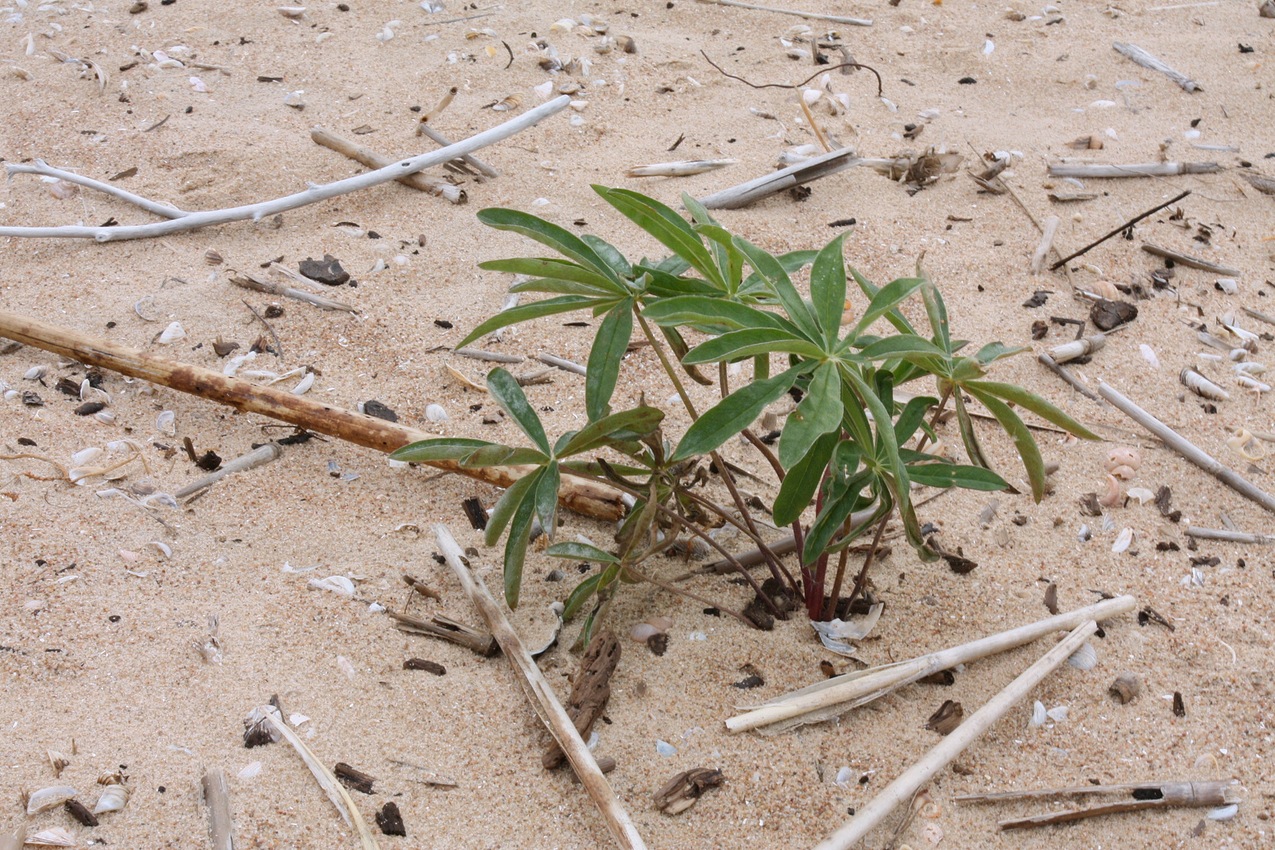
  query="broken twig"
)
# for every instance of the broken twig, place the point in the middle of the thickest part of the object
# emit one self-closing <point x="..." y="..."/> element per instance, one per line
<point x="1189" y="261"/>
<point x="769" y="184"/>
<point x="372" y="159"/>
<point x="1121" y="229"/>
<point x="1049" y="229"/>
<point x="1136" y="54"/>
<point x="248" y="281"/>
<point x="1227" y="535"/>
<point x="810" y="16"/>
<point x="1145" y="169"/>
<point x="257" y="457"/>
<point x="1187" y="449"/>
<point x="1138" y="796"/>
<point x="541" y="696"/>
<point x="1053" y="366"/>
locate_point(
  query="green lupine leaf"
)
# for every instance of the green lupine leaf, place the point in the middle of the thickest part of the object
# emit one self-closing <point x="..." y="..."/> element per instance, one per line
<point x="665" y="285"/>
<point x="516" y="549"/>
<point x="670" y="229"/>
<point x="791" y="262"/>
<point x="625" y="425"/>
<point x="903" y="345"/>
<point x="887" y="299"/>
<point x="547" y="498"/>
<point x="730" y="262"/>
<point x="994" y="351"/>
<point x="609" y="347"/>
<point x="773" y="272"/>
<point x="944" y="475"/>
<point x="911" y="417"/>
<point x="828" y="289"/>
<point x="734" y="413"/>
<point x="887" y="447"/>
<point x="894" y="317"/>
<point x="746" y="343"/>
<point x="505" y="390"/>
<point x="708" y="312"/>
<point x="674" y="338"/>
<point x="968" y="435"/>
<point x="580" y="595"/>
<point x="841" y="500"/>
<point x="527" y="312"/>
<point x="1028" y="451"/>
<point x="555" y="286"/>
<point x="440" y="448"/>
<point x="507" y="504"/>
<point x="609" y="254"/>
<point x="819" y="413"/>
<point x="577" y="551"/>
<point x="855" y="420"/>
<point x="551" y="235"/>
<point x="936" y="310"/>
<point x="496" y="455"/>
<point x="799" y="485"/>
<point x="552" y="269"/>
<point x="1037" y="405"/>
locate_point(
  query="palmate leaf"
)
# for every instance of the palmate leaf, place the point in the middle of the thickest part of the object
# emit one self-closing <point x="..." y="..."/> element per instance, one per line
<point x="497" y="455"/>
<point x="580" y="595"/>
<point x="577" y="551"/>
<point x="729" y="259"/>
<point x="625" y="425"/>
<point x="887" y="299"/>
<point x="819" y="413"/>
<point x="553" y="269"/>
<point x="516" y="545"/>
<point x="828" y="289"/>
<point x="776" y="278"/>
<point x="609" y="254"/>
<point x="735" y="413"/>
<point x="551" y="235"/>
<point x="716" y="315"/>
<point x="943" y="474"/>
<point x="609" y="347"/>
<point x="527" y="312"/>
<point x="507" y="505"/>
<point x="842" y="499"/>
<point x="508" y="394"/>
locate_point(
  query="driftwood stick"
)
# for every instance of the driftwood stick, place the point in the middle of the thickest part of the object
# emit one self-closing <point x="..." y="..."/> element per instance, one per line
<point x="1062" y="372"/>
<point x="1189" y="261"/>
<point x="1049" y="229"/>
<point x="352" y="427"/>
<point x="372" y="159"/>
<point x="1146" y="60"/>
<point x="1121" y="229"/>
<point x="490" y="356"/>
<point x="1227" y="535"/>
<point x="590" y="691"/>
<point x="1187" y="449"/>
<point x="1210" y="792"/>
<point x="777" y="181"/>
<point x="1145" y="169"/>
<point x="810" y="16"/>
<point x="562" y="363"/>
<point x="316" y="192"/>
<point x="259" y="456"/>
<point x="541" y="696"/>
<point x="1139" y="796"/>
<point x="445" y="628"/>
<point x="862" y="686"/>
<point x="915" y="777"/>
<point x="43" y="169"/>
<point x="221" y="826"/>
<point x="483" y="168"/>
<point x="248" y="281"/>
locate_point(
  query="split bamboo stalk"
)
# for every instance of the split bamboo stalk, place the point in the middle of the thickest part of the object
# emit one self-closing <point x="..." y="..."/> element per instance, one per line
<point x="915" y="777"/>
<point x="221" y="826"/>
<point x="1147" y="169"/>
<point x="368" y="431"/>
<point x="542" y="697"/>
<point x="1187" y="449"/>
<point x="862" y="686"/>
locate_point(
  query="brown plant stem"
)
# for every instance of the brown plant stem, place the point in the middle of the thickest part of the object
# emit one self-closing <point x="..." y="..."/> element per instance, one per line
<point x="830" y="609"/>
<point x="861" y="580"/>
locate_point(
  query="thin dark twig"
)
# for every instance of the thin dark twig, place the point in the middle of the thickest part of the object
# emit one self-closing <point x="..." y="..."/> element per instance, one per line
<point x="278" y="345"/>
<point x="1122" y="228"/>
<point x="511" y="54"/>
<point x="724" y="72"/>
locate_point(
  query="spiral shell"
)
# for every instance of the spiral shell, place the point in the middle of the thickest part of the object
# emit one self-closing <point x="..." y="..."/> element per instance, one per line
<point x="1202" y="386"/>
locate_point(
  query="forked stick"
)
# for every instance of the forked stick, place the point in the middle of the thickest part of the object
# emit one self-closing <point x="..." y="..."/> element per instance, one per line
<point x="316" y="192"/>
<point x="849" y="690"/>
<point x="368" y="431"/>
<point x="915" y="777"/>
<point x="542" y="697"/>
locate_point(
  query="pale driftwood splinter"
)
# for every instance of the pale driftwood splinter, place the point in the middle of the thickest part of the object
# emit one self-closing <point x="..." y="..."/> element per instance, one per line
<point x="1137" y="796"/>
<point x="368" y="431"/>
<point x="915" y="777"/>
<point x="365" y="155"/>
<point x="447" y="629"/>
<point x="810" y="16"/>
<point x="490" y="356"/>
<point x="1145" y="169"/>
<point x="1228" y="535"/>
<point x="43" y="169"/>
<point x="316" y="192"/>
<point x="221" y="826"/>
<point x="1049" y="228"/>
<point x="259" y="456"/>
<point x="681" y="168"/>
<point x="1187" y="449"/>
<point x="562" y="363"/>
<point x="542" y="697"/>
<point x="1189" y="261"/>
<point x="252" y="282"/>
<point x="839" y="694"/>
<point x="768" y="184"/>
<point x="1136" y="54"/>
<point x="472" y="161"/>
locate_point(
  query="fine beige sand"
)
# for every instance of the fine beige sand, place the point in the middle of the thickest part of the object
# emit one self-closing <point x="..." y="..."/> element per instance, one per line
<point x="100" y="630"/>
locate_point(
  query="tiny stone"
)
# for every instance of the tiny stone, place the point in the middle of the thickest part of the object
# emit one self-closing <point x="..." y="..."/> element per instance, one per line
<point x="327" y="271"/>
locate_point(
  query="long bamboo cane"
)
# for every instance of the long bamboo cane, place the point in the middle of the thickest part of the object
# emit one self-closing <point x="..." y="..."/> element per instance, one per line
<point x="347" y="425"/>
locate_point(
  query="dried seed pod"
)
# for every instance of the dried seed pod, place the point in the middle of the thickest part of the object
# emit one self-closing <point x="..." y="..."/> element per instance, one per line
<point x="1125" y="688"/>
<point x="113" y="799"/>
<point x="1078" y="348"/>
<point x="1202" y="386"/>
<point x="48" y="798"/>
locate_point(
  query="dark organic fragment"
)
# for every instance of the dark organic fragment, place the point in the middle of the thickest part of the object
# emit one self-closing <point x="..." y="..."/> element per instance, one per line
<point x="683" y="790"/>
<point x="353" y="777"/>
<point x="1038" y="299"/>
<point x="590" y="690"/>
<point x="390" y="821"/>
<point x="476" y="513"/>
<point x="372" y="407"/>
<point x="90" y="407"/>
<point x="423" y="664"/>
<point x="1179" y="705"/>
<point x="327" y="271"/>
<point x="80" y="812"/>
<point x="948" y="717"/>
<point x="1111" y="314"/>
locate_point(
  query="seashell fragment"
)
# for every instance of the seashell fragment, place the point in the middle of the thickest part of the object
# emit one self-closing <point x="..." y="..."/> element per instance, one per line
<point x="1123" y="541"/>
<point x="55" y="837"/>
<point x="1142" y="494"/>
<point x="1248" y="382"/>
<point x="1039" y="715"/>
<point x="681" y="168"/>
<point x="1224" y="812"/>
<point x="173" y="333"/>
<point x="114" y="798"/>
<point x="507" y="103"/>
<point x="58" y="761"/>
<point x="35" y="373"/>
<point x="48" y="798"/>
<point x="1113" y="496"/>
<point x="1202" y="386"/>
<point x="1125" y="688"/>
<point x="436" y="413"/>
<point x="1246" y="445"/>
<point x="1085" y="658"/>
<point x="1124" y="473"/>
<point x="166" y="423"/>
<point x="1078" y="348"/>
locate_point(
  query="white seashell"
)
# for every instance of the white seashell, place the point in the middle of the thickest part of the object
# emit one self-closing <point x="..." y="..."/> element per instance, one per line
<point x="845" y="776"/>
<point x="55" y="837"/>
<point x="1202" y="386"/>
<point x="164" y="548"/>
<point x="292" y="11"/>
<point x="113" y="799"/>
<point x="642" y="632"/>
<point x="436" y="413"/>
<point x="336" y="584"/>
<point x="1039" y="715"/>
<point x="88" y="392"/>
<point x="1123" y="541"/>
<point x="933" y="833"/>
<point x="1085" y="658"/>
<point x="1228" y="285"/>
<point x="1124" y="473"/>
<point x="251" y="770"/>
<point x="304" y="385"/>
<point x="665" y="749"/>
<point x="1250" y="367"/>
<point x="166" y="423"/>
<point x="297" y="719"/>
<point x="106" y="417"/>
<point x="234" y="364"/>
<point x="86" y="456"/>
<point x="35" y="373"/>
<point x="1078" y="348"/>
<point x="10" y="395"/>
<point x="346" y="667"/>
<point x="1149" y="355"/>
<point x="1250" y="383"/>
<point x="1058" y="713"/>
<point x="48" y="798"/>
<point x="1224" y="813"/>
<point x="198" y="85"/>
<point x="1085" y="534"/>
<point x="173" y="333"/>
<point x="1113" y="495"/>
<point x="146" y="304"/>
<point x="1142" y="494"/>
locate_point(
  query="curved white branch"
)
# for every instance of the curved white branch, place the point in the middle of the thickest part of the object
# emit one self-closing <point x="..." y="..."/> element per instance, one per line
<point x="195" y="220"/>
<point x="45" y="170"/>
